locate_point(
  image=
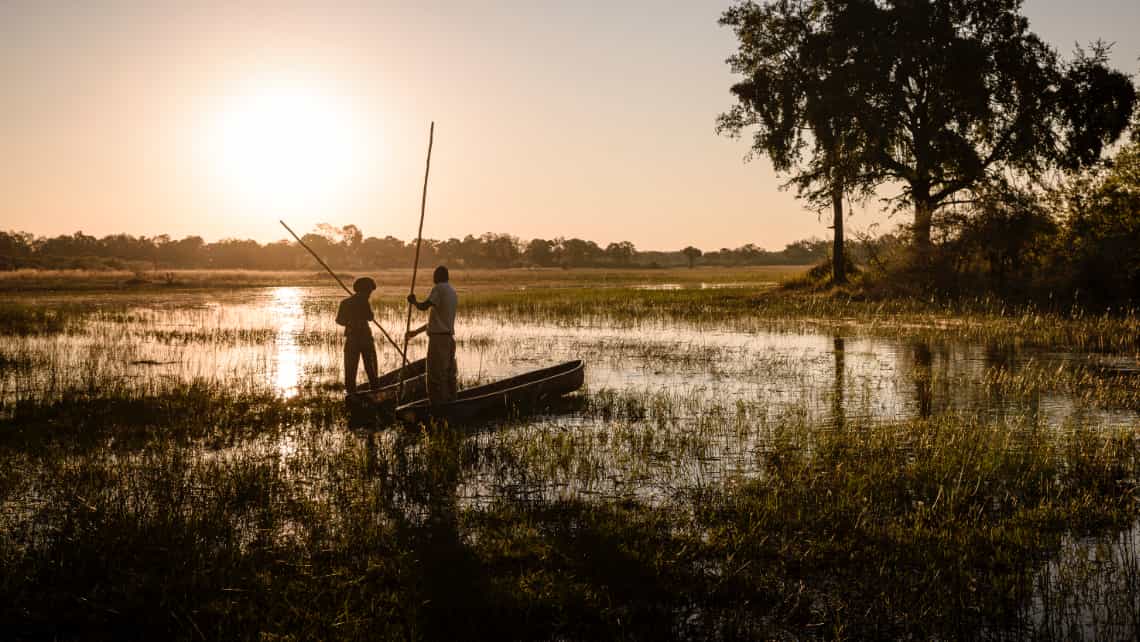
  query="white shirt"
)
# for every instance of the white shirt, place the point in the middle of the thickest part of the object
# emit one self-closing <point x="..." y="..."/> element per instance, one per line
<point x="441" y="315"/>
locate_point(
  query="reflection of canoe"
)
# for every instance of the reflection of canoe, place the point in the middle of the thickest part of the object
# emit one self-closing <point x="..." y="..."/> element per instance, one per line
<point x="518" y="392"/>
<point x="415" y="386"/>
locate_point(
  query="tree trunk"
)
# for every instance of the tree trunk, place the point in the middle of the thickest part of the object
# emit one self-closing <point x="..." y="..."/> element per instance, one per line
<point x="923" y="213"/>
<point x="838" y="260"/>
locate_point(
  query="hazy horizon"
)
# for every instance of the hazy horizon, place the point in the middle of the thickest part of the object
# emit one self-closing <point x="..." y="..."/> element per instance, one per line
<point x="410" y="240"/>
<point x="590" y="121"/>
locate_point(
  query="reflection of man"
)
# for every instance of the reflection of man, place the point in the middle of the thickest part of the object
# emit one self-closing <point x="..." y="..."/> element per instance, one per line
<point x="440" y="327"/>
<point x="354" y="314"/>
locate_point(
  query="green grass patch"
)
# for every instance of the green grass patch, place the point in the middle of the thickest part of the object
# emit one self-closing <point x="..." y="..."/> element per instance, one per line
<point x="925" y="529"/>
<point x="22" y="319"/>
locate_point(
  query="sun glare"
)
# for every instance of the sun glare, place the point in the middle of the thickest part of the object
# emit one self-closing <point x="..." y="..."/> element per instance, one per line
<point x="285" y="148"/>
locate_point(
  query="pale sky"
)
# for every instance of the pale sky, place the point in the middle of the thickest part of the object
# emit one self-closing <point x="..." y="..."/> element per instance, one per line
<point x="589" y="119"/>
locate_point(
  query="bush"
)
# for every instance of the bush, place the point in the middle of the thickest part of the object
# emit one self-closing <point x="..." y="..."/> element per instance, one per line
<point x="999" y="243"/>
<point x="819" y="276"/>
<point x="1101" y="238"/>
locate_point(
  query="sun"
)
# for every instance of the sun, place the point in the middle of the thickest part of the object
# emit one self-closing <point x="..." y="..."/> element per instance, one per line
<point x="283" y="148"/>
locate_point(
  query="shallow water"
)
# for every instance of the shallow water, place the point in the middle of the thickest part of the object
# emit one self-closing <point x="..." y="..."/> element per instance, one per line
<point x="690" y="286"/>
<point x="1090" y="592"/>
<point x="284" y="340"/>
<point x="668" y="406"/>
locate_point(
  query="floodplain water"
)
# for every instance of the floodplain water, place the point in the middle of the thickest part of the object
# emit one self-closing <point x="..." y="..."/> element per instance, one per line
<point x="656" y="370"/>
<point x="668" y="405"/>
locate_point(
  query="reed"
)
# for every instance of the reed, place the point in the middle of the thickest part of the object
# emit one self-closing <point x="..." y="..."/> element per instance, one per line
<point x="716" y="479"/>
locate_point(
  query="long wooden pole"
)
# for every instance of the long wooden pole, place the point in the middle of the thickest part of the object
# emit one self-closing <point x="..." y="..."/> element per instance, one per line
<point x="416" y="263"/>
<point x="329" y="269"/>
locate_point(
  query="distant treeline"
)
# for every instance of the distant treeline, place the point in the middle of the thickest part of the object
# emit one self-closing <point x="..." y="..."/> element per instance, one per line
<point x="347" y="248"/>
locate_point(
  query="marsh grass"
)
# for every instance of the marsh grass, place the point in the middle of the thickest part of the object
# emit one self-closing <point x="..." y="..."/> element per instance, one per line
<point x="1087" y="383"/>
<point x="742" y="298"/>
<point x="15" y="360"/>
<point x="985" y="321"/>
<point x="29" y="280"/>
<point x="926" y="529"/>
<point x="197" y="499"/>
<point x="1091" y="588"/>
<point x="22" y="320"/>
<point x="129" y="419"/>
<point x="274" y="521"/>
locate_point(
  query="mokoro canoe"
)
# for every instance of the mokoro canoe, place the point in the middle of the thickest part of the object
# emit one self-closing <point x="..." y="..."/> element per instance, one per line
<point x="415" y="387"/>
<point x="520" y="392"/>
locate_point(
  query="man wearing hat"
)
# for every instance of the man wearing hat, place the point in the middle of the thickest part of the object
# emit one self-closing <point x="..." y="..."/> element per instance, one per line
<point x="355" y="313"/>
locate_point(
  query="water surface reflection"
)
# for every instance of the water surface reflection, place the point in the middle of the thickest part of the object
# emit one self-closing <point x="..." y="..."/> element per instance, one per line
<point x="289" y="315"/>
<point x="692" y="403"/>
<point x="285" y="340"/>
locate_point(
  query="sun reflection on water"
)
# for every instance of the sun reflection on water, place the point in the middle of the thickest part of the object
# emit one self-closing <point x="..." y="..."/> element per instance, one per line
<point x="289" y="317"/>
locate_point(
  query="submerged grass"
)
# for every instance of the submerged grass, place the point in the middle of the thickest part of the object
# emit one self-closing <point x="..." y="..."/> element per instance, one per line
<point x="980" y="320"/>
<point x="291" y="527"/>
<point x="922" y="529"/>
<point x="151" y="503"/>
<point x="18" y="319"/>
<point x="735" y="298"/>
<point x="199" y="412"/>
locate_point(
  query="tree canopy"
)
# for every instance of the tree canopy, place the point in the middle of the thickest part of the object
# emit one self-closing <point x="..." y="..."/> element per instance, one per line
<point x="801" y="84"/>
<point x="347" y="248"/>
<point x="940" y="96"/>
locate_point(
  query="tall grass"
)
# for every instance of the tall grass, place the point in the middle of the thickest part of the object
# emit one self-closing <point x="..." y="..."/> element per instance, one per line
<point x="731" y="479"/>
<point x="274" y="521"/>
<point x="22" y="320"/>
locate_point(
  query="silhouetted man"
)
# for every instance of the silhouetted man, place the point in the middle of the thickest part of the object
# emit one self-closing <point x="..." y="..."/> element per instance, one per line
<point x="440" y="327"/>
<point x="354" y="314"/>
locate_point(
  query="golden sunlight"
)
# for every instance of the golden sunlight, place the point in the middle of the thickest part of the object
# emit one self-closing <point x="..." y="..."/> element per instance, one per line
<point x="287" y="356"/>
<point x="284" y="148"/>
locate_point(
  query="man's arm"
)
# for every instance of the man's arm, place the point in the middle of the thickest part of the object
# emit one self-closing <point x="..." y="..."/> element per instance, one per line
<point x="412" y="333"/>
<point x="422" y="306"/>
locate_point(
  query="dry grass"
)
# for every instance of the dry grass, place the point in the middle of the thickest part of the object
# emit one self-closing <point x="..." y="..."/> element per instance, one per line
<point x="390" y="281"/>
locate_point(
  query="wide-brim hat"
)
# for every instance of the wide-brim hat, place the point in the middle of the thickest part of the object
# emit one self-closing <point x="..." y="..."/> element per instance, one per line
<point x="363" y="284"/>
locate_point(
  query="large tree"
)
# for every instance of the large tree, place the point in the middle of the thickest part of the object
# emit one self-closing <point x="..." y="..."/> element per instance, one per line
<point x="965" y="92"/>
<point x="692" y="254"/>
<point x="802" y="78"/>
<point x="621" y="253"/>
<point x="540" y="252"/>
<point x="941" y="95"/>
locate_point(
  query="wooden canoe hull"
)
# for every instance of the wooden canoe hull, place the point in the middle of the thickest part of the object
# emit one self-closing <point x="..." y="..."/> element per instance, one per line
<point x="519" y="392"/>
<point x="415" y="387"/>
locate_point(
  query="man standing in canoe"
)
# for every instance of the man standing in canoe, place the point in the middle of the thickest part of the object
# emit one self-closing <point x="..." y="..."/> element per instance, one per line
<point x="355" y="313"/>
<point x="440" y="327"/>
